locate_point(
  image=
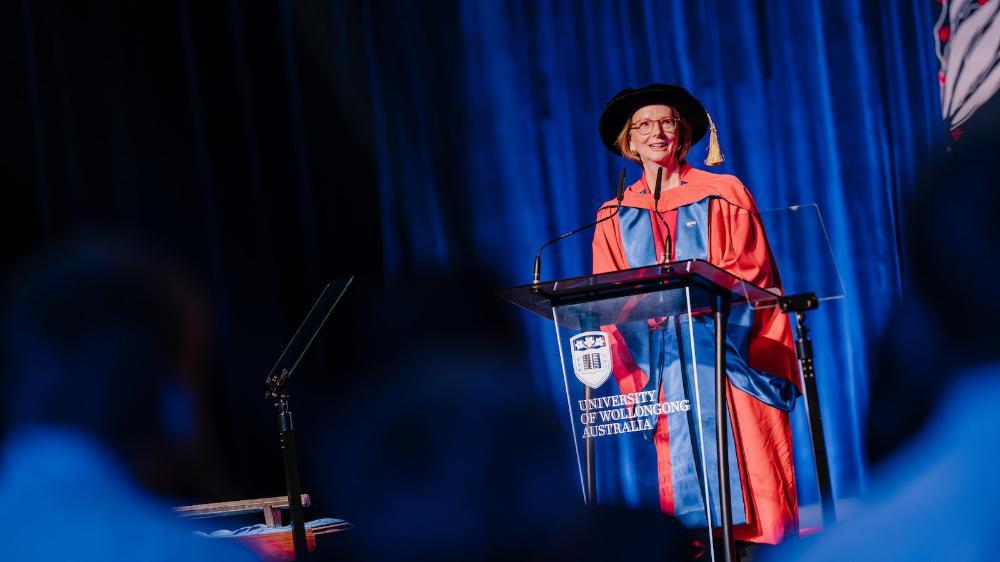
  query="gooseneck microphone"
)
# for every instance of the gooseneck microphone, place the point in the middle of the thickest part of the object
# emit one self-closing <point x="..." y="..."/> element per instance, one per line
<point x="665" y="257"/>
<point x="620" y="194"/>
<point x="657" y="188"/>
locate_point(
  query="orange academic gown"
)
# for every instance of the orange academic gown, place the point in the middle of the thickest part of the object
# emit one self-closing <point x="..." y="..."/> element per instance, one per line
<point x="762" y="434"/>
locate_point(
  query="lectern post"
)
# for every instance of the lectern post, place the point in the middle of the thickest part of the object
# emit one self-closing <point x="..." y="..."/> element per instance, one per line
<point x="720" y="310"/>
<point x="589" y="322"/>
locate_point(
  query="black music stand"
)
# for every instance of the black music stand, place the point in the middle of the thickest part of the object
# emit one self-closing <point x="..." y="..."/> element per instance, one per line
<point x="275" y="383"/>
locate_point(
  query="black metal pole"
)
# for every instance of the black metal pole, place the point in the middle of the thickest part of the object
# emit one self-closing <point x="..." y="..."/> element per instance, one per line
<point x="803" y="347"/>
<point x="588" y="322"/>
<point x="275" y="385"/>
<point x="720" y="310"/>
<point x="287" y="432"/>
<point x="590" y="474"/>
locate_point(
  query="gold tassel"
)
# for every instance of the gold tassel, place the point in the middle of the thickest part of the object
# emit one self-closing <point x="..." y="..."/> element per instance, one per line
<point x="715" y="156"/>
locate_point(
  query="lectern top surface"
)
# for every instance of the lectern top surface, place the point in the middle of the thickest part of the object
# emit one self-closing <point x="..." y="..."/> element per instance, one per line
<point x="657" y="290"/>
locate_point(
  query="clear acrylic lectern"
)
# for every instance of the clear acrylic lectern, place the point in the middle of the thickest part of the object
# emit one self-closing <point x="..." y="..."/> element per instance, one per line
<point x="644" y="352"/>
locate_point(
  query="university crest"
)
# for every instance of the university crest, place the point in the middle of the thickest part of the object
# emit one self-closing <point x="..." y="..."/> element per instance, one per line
<point x="591" y="358"/>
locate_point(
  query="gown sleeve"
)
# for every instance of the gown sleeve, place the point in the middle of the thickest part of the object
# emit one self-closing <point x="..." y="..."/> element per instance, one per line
<point x="741" y="248"/>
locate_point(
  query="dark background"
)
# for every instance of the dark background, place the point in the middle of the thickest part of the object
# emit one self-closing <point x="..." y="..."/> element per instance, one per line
<point x="232" y="136"/>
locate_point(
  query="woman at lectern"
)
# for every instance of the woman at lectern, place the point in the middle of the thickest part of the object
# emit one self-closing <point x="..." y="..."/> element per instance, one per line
<point x="698" y="214"/>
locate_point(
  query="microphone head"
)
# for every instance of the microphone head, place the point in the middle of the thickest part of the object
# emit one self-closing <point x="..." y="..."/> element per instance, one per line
<point x="620" y="194"/>
<point x="659" y="184"/>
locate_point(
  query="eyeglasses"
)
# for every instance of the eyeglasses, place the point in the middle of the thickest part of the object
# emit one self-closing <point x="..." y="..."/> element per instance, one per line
<point x="668" y="125"/>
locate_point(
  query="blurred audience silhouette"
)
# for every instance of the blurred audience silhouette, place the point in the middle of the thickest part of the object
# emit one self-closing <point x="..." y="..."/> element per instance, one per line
<point x="101" y="340"/>
<point x="935" y="401"/>
<point x="444" y="448"/>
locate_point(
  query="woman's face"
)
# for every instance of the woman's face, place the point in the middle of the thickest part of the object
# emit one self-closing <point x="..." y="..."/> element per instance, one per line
<point x="659" y="143"/>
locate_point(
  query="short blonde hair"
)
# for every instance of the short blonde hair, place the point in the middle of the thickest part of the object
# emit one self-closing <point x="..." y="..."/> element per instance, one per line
<point x="683" y="146"/>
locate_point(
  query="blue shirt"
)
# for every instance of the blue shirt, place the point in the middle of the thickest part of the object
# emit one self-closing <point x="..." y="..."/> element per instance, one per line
<point x="935" y="499"/>
<point x="65" y="498"/>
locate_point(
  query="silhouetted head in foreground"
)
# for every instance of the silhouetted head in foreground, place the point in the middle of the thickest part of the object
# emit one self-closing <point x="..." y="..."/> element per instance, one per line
<point x="954" y="237"/>
<point x="448" y="449"/>
<point x="96" y="334"/>
<point x="947" y="321"/>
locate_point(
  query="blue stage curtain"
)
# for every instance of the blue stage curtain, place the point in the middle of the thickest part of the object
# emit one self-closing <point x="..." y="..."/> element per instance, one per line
<point x="485" y="120"/>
